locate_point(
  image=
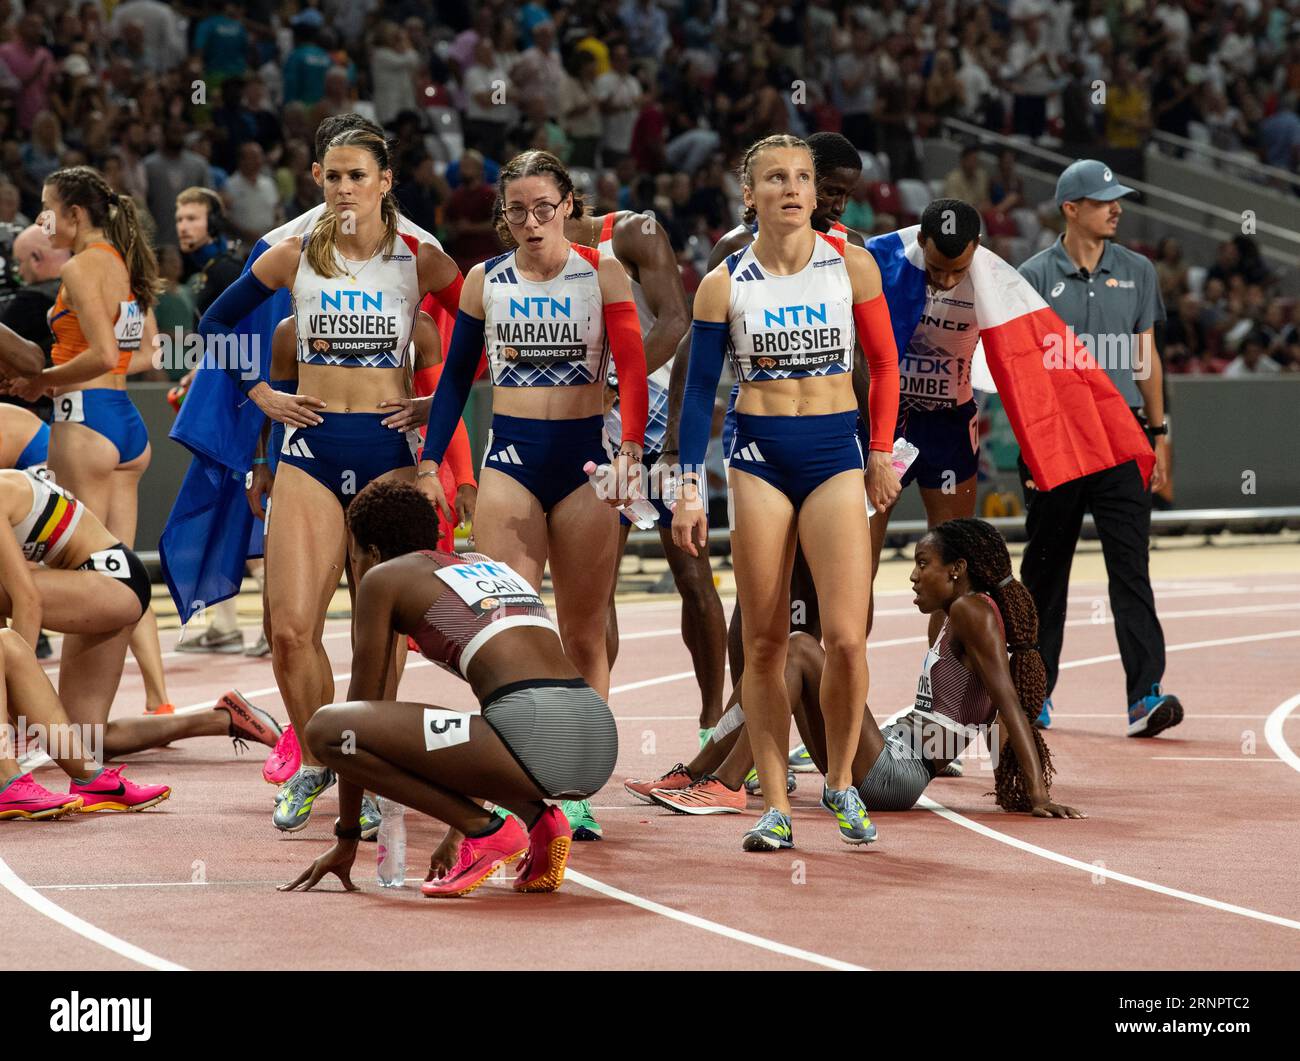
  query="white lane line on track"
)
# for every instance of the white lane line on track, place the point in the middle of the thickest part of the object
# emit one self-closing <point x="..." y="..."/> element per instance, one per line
<point x="1214" y="759"/>
<point x="25" y="893"/>
<point x="1100" y="871"/>
<point x="1273" y="732"/>
<point x="695" y="921"/>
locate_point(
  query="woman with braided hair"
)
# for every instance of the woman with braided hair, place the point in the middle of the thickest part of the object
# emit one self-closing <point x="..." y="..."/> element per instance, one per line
<point x="971" y="678"/>
<point x="102" y="319"/>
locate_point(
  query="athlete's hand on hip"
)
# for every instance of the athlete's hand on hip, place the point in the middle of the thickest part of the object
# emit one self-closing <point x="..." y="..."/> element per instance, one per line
<point x="337" y="860"/>
<point x="412" y="413"/>
<point x="466" y="502"/>
<point x="258" y="489"/>
<point x="883" y="485"/>
<point x="690" y="521"/>
<point x="430" y="485"/>
<point x="292" y="410"/>
<point x="1160" y="473"/>
<point x="1048" y="809"/>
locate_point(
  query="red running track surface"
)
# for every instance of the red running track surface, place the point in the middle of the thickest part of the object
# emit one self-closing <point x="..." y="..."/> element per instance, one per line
<point x="1186" y="861"/>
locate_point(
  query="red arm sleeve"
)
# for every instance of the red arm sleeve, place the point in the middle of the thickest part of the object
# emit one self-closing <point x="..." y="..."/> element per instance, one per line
<point x="623" y="328"/>
<point x="449" y="296"/>
<point x="876" y="334"/>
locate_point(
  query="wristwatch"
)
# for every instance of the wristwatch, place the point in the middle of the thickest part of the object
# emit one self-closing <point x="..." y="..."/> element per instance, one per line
<point x="1163" y="429"/>
<point x="346" y="834"/>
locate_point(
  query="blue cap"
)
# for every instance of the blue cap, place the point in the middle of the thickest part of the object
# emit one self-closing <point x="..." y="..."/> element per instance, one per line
<point x="1089" y="179"/>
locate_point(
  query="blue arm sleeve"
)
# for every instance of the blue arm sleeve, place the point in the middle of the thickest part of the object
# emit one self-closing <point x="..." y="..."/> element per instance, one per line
<point x="233" y="304"/>
<point x="453" y="388"/>
<point x="708" y="340"/>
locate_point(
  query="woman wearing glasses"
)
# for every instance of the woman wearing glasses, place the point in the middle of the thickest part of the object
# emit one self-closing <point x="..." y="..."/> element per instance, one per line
<point x="551" y="313"/>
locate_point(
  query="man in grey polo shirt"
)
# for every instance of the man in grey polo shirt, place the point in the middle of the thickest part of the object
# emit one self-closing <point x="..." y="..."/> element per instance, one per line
<point x="1111" y="299"/>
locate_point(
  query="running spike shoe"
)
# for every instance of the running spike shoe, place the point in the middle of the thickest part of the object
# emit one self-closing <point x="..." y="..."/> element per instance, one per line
<point x="772" y="833"/>
<point x="708" y="795"/>
<point x="479" y="858"/>
<point x="581" y="821"/>
<point x="285" y="760"/>
<point x="847" y="806"/>
<point x="248" y="722"/>
<point x="110" y="791"/>
<point x="549" y="840"/>
<point x="755" y="788"/>
<point x="295" y="806"/>
<point x="371" y="819"/>
<point x="677" y="777"/>
<point x="801" y="762"/>
<point x="24" y="798"/>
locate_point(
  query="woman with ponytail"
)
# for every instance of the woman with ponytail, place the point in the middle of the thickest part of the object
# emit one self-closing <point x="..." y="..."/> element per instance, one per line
<point x="357" y="280"/>
<point x="102" y="317"/>
<point x="983" y="668"/>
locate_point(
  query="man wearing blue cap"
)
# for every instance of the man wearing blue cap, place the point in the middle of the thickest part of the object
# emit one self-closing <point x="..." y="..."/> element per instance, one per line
<point x="1110" y="297"/>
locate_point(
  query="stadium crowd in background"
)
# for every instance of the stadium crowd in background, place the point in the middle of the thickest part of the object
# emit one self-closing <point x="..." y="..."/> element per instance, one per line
<point x="651" y="102"/>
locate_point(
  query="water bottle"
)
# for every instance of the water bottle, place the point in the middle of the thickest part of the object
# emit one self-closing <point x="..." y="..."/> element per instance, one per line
<point x="902" y="457"/>
<point x="390" y="862"/>
<point x="640" y="511"/>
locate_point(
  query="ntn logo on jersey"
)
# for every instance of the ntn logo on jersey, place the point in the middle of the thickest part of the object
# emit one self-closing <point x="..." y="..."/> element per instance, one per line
<point x="369" y="301"/>
<point x="541" y="306"/>
<point x="799" y="316"/>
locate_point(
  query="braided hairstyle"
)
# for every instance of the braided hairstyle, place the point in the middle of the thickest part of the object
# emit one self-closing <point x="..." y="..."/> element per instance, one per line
<point x="987" y="565"/>
<point x="758" y="146"/>
<point x="120" y="219"/>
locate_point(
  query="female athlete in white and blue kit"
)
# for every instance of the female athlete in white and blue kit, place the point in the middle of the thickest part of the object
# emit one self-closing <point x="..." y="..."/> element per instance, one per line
<point x="552" y="312"/>
<point x="787" y="306"/>
<point x="357" y="282"/>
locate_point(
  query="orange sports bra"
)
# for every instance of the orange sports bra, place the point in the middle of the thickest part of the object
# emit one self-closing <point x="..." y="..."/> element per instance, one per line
<point x="69" y="340"/>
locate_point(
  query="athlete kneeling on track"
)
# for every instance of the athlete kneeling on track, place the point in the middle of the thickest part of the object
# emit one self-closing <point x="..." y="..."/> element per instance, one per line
<point x="970" y="678"/>
<point x="61" y="568"/>
<point x="541" y="732"/>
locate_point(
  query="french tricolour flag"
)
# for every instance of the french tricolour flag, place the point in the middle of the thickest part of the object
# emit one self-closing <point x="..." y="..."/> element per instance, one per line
<point x="1067" y="415"/>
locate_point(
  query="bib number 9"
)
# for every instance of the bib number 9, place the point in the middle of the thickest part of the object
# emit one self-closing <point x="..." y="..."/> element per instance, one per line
<point x="69" y="408"/>
<point x="110" y="562"/>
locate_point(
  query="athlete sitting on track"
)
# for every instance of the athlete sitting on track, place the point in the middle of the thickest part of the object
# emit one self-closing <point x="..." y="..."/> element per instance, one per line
<point x="541" y="733"/>
<point x="62" y="569"/>
<point x="963" y="572"/>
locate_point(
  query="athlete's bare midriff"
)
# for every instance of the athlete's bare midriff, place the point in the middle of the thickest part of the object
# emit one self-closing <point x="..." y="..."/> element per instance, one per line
<point x="353" y="390"/>
<point x="550" y="403"/>
<point x="808" y="396"/>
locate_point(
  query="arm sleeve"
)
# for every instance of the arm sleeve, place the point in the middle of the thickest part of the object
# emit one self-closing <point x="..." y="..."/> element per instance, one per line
<point x="876" y="333"/>
<point x="453" y="390"/>
<point x="708" y="340"/>
<point x="449" y="296"/>
<point x="234" y="304"/>
<point x="623" y="328"/>
<point x="460" y="458"/>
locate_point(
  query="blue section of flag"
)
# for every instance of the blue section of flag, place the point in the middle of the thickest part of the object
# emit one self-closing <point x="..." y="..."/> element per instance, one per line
<point x="211" y="531"/>
<point x="903" y="284"/>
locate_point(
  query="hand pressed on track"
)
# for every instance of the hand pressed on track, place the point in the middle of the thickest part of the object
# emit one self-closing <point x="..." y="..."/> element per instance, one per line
<point x="337" y="860"/>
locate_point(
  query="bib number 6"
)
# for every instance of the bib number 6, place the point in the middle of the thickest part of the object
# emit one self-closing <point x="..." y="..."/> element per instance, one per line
<point x="69" y="408"/>
<point x="110" y="562"/>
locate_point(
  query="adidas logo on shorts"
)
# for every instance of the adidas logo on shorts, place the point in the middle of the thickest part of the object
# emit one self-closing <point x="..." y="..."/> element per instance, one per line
<point x="749" y="453"/>
<point x="296" y="447"/>
<point x="506" y="456"/>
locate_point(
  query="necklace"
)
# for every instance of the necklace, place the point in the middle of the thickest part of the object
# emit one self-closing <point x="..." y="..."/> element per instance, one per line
<point x="351" y="274"/>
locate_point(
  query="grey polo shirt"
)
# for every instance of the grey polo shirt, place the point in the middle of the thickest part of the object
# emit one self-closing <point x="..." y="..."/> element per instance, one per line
<point x="1120" y="299"/>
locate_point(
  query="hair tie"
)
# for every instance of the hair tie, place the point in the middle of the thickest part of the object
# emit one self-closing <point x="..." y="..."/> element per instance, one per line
<point x="1024" y="646"/>
<point x="1006" y="581"/>
<point x="114" y="199"/>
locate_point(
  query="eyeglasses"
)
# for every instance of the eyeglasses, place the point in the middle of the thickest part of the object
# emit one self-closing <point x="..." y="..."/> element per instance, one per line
<point x="518" y="215"/>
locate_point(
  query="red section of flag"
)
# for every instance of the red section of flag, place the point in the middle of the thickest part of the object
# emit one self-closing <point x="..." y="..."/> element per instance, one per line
<point x="1068" y="416"/>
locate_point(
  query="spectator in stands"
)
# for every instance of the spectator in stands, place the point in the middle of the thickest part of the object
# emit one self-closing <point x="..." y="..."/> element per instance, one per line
<point x="858" y="214"/>
<point x="1033" y="69"/>
<point x="10" y="214"/>
<point x="162" y="44"/>
<point x="469" y="216"/>
<point x="488" y="107"/>
<point x="648" y="139"/>
<point x="1127" y="107"/>
<point x="1279" y="139"/>
<point x="394" y="67"/>
<point x="421" y="191"/>
<point x="175" y="315"/>
<point x="1227" y="264"/>
<point x="32" y="67"/>
<point x="1253" y="359"/>
<point x="25" y="310"/>
<point x="945" y="95"/>
<point x="233" y="124"/>
<point x="581" y="110"/>
<point x="1173" y="97"/>
<point x="308" y="63"/>
<point x="646" y="26"/>
<point x="168" y="171"/>
<point x="42" y="152"/>
<point x="222" y="42"/>
<point x="969" y="180"/>
<point x="1184" y="341"/>
<point x="252" y="201"/>
<point x="855" y="88"/>
<point x="539" y="73"/>
<point x="1171" y="270"/>
<point x="619" y="94"/>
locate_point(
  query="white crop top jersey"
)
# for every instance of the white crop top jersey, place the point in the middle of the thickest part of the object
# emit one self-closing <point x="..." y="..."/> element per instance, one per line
<point x="789" y="327"/>
<point x="656" y="426"/>
<point x="545" y="333"/>
<point x="366" y="322"/>
<point x="935" y="369"/>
